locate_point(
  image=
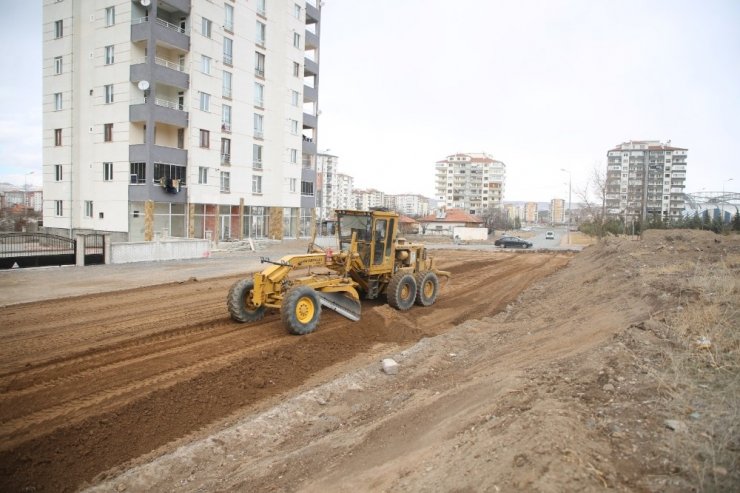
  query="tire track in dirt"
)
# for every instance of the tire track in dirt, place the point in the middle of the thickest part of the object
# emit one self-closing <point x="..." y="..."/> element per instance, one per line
<point x="90" y="391"/>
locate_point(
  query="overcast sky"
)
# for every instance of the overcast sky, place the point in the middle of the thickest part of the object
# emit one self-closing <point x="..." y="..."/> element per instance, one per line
<point x="540" y="85"/>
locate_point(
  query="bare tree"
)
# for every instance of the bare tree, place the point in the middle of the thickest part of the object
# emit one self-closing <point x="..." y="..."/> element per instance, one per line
<point x="593" y="197"/>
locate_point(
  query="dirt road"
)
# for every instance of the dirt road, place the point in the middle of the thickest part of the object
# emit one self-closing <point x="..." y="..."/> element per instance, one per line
<point x="95" y="383"/>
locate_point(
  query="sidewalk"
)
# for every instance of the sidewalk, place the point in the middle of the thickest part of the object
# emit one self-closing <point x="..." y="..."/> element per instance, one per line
<point x="42" y="283"/>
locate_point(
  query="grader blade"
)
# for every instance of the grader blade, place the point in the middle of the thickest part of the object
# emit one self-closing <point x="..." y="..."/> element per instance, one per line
<point x="343" y="305"/>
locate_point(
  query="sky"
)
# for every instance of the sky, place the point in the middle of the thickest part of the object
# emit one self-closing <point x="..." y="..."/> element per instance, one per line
<point x="542" y="85"/>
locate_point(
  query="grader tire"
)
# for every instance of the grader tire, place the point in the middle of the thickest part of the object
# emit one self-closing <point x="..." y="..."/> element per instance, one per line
<point x="401" y="291"/>
<point x="239" y="304"/>
<point x="301" y="310"/>
<point x="427" y="288"/>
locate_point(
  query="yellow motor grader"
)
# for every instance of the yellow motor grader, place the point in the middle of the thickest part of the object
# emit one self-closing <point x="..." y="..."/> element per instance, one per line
<point x="371" y="262"/>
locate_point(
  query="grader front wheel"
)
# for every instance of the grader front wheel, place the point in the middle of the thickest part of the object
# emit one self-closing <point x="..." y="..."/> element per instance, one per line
<point x="427" y="285"/>
<point x="240" y="304"/>
<point x="301" y="310"/>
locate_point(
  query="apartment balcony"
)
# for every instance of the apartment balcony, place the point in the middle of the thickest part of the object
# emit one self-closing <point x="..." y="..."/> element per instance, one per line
<point x="139" y="153"/>
<point x="158" y="110"/>
<point x="312" y="40"/>
<point x="310" y="68"/>
<point x="310" y="121"/>
<point x="164" y="32"/>
<point x="162" y="71"/>
<point x="309" y="146"/>
<point x="313" y="14"/>
<point x="310" y="94"/>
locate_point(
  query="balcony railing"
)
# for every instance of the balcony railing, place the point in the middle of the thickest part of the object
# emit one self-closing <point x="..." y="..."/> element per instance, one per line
<point x="228" y="59"/>
<point x="226" y="127"/>
<point x="171" y="26"/>
<point x="174" y="105"/>
<point x="259" y="72"/>
<point x="259" y="102"/>
<point x="258" y="134"/>
<point x="257" y="164"/>
<point x="166" y="63"/>
<point x="225" y="158"/>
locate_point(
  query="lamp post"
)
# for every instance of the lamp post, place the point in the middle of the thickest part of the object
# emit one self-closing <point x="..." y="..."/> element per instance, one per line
<point x="570" y="211"/>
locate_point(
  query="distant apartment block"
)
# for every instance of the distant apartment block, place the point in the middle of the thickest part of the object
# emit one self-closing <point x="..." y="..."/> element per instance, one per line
<point x="345" y="185"/>
<point x="513" y="211"/>
<point x="365" y="199"/>
<point x="646" y="178"/>
<point x="188" y="118"/>
<point x="408" y="204"/>
<point x="557" y="211"/>
<point x="474" y="182"/>
<point x="531" y="214"/>
<point x="326" y="185"/>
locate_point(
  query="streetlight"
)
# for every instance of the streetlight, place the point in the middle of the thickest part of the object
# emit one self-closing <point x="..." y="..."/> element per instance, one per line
<point x="570" y="211"/>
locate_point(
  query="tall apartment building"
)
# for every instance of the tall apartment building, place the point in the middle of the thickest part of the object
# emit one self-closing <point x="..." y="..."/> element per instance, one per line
<point x="365" y="199"/>
<point x="644" y="178"/>
<point x="326" y="185"/>
<point x="557" y="211"/>
<point x="191" y="118"/>
<point x="345" y="185"/>
<point x="408" y="204"/>
<point x="473" y="182"/>
<point x="531" y="213"/>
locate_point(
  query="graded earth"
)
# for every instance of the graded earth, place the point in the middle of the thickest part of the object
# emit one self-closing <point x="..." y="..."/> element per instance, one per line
<point x="536" y="371"/>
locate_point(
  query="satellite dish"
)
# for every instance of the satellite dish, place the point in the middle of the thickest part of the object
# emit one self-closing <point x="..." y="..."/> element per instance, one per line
<point x="146" y="3"/>
<point x="144" y="84"/>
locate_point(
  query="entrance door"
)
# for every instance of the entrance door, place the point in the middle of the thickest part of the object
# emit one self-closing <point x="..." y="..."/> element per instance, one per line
<point x="225" y="227"/>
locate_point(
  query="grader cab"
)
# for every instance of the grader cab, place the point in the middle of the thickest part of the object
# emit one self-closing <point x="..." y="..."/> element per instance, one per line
<point x="371" y="262"/>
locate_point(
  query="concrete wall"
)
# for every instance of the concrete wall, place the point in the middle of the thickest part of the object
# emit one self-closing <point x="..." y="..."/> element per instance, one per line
<point x="148" y="251"/>
<point x="467" y="234"/>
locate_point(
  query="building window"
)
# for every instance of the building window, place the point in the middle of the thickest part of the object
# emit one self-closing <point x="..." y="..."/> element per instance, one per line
<point x="294" y="97"/>
<point x="164" y="171"/>
<point x="226" y="118"/>
<point x="88" y="208"/>
<point x="259" y="95"/>
<point x="205" y="64"/>
<point x="227" y="85"/>
<point x="296" y="40"/>
<point x="258" y="124"/>
<point x="259" y="64"/>
<point x="109" y="55"/>
<point x="256" y="184"/>
<point x="57" y="172"/>
<point x="307" y="188"/>
<point x="58" y="65"/>
<point x="261" y="35"/>
<point x="205" y="138"/>
<point x="110" y="16"/>
<point x="293" y="156"/>
<point x="226" y="151"/>
<point x="261" y="10"/>
<point x="294" y="127"/>
<point x="58" y="208"/>
<point x="108" y="171"/>
<point x="202" y="175"/>
<point x="225" y="181"/>
<point x="205" y="101"/>
<point x="229" y="17"/>
<point x="57" y="137"/>
<point x="256" y="156"/>
<point x="108" y="132"/>
<point x="292" y="183"/>
<point x="296" y="69"/>
<point x="108" y="93"/>
<point x="297" y="11"/>
<point x="57" y="101"/>
<point x="228" y="51"/>
<point x="138" y="173"/>
<point x="206" y="27"/>
<point x="58" y="32"/>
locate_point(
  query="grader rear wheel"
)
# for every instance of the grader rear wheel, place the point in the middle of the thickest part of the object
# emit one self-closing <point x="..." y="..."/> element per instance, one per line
<point x="301" y="310"/>
<point x="401" y="291"/>
<point x="427" y="284"/>
<point x="240" y="304"/>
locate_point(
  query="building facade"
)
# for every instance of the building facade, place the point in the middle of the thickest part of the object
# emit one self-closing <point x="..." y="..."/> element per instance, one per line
<point x="345" y="185"/>
<point x="474" y="182"/>
<point x="644" y="179"/>
<point x="531" y="213"/>
<point x="408" y="204"/>
<point x="365" y="199"/>
<point x="326" y="185"/>
<point x="557" y="211"/>
<point x="185" y="118"/>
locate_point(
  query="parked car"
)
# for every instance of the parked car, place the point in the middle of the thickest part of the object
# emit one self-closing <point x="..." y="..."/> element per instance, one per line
<point x="550" y="235"/>
<point x="512" y="242"/>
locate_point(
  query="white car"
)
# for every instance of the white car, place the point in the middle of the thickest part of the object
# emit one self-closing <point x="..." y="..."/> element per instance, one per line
<point x="550" y="235"/>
